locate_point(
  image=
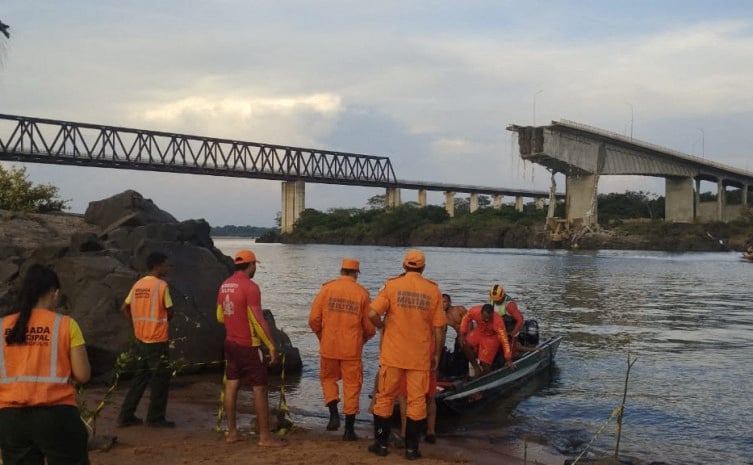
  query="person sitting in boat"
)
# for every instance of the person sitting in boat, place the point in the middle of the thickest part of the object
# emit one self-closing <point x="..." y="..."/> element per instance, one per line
<point x="506" y="307"/>
<point x="454" y="315"/>
<point x="482" y="332"/>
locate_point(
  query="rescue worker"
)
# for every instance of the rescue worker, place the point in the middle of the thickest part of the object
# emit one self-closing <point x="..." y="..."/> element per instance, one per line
<point x="41" y="352"/>
<point x="485" y="338"/>
<point x="149" y="307"/>
<point x="412" y="307"/>
<point x="506" y="307"/>
<point x="239" y="309"/>
<point x="340" y="319"/>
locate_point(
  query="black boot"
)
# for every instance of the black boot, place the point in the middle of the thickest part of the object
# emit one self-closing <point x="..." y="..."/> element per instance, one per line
<point x="350" y="433"/>
<point x="381" y="435"/>
<point x="334" y="417"/>
<point x="412" y="435"/>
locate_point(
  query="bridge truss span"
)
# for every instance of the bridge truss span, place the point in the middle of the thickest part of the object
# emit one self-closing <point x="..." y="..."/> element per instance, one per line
<point x="27" y="139"/>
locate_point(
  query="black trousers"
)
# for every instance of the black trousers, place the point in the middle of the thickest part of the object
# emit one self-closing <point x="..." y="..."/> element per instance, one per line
<point x="29" y="435"/>
<point x="152" y="369"/>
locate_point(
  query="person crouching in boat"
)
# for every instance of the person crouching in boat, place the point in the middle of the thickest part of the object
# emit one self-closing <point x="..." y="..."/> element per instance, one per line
<point x="507" y="308"/>
<point x="482" y="332"/>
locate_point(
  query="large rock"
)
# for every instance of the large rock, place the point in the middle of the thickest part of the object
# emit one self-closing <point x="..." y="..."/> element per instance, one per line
<point x="98" y="265"/>
<point x="128" y="208"/>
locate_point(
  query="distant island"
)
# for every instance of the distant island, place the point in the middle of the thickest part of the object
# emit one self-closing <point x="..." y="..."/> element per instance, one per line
<point x="231" y="230"/>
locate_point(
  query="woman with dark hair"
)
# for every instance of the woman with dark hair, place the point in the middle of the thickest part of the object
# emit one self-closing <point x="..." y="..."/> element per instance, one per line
<point x="42" y="350"/>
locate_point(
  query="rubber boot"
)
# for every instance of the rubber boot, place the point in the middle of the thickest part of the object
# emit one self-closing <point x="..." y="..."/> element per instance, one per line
<point x="350" y="433"/>
<point x="382" y="428"/>
<point x="334" y="417"/>
<point x="412" y="436"/>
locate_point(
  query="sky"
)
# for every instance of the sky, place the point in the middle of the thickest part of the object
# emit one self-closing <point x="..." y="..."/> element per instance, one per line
<point x="430" y="84"/>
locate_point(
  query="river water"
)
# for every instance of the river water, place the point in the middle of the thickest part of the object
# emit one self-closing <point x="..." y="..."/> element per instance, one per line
<point x="686" y="318"/>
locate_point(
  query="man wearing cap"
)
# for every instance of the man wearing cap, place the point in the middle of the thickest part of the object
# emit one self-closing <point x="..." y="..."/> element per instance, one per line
<point x="239" y="308"/>
<point x="340" y="319"/>
<point x="507" y="309"/>
<point x="414" y="324"/>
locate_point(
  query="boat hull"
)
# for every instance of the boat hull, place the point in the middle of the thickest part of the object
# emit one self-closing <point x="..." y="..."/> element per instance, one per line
<point x="466" y="396"/>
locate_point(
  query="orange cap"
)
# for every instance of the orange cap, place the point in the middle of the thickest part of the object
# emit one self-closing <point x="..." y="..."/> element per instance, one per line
<point x="414" y="258"/>
<point x="245" y="256"/>
<point x="351" y="264"/>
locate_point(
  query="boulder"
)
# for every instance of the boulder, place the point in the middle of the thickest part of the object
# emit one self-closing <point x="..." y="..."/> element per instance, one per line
<point x="128" y="208"/>
<point x="98" y="264"/>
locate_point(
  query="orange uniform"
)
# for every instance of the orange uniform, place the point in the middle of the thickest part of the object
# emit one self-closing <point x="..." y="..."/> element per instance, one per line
<point x="414" y="308"/>
<point x="150" y="300"/>
<point x="339" y="318"/>
<point x="37" y="373"/>
<point x="486" y="338"/>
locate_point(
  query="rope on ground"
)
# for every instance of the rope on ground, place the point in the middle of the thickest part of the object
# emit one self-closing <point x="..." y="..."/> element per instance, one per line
<point x="284" y="421"/>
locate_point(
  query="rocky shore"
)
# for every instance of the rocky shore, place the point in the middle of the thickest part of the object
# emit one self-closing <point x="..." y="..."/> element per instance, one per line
<point x="99" y="255"/>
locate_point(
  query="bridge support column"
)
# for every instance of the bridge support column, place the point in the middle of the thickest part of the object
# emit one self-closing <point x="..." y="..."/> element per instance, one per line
<point x="539" y="203"/>
<point x="581" y="198"/>
<point x="473" y="202"/>
<point x="518" y="203"/>
<point x="497" y="202"/>
<point x="449" y="203"/>
<point x="745" y="195"/>
<point x="680" y="197"/>
<point x="293" y="203"/>
<point x="392" y="198"/>
<point x="422" y="197"/>
<point x="721" y="199"/>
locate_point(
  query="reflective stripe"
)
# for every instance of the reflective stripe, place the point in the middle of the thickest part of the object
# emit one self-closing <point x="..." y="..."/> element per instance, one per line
<point x="153" y="307"/>
<point x="4" y="379"/>
<point x="3" y="373"/>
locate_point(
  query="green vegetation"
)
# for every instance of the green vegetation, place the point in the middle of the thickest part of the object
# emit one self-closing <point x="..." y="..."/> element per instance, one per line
<point x="18" y="193"/>
<point x="241" y="231"/>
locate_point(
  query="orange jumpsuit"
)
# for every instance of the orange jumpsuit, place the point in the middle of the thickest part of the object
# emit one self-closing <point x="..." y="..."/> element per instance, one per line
<point x="413" y="306"/>
<point x="486" y="338"/>
<point x="340" y="319"/>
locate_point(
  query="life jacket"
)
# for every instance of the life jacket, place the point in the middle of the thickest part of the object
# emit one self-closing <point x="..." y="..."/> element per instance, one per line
<point x="37" y="372"/>
<point x="502" y="309"/>
<point x="148" y="310"/>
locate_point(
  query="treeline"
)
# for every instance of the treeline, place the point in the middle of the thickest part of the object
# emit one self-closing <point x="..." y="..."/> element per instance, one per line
<point x="411" y="225"/>
<point x="241" y="231"/>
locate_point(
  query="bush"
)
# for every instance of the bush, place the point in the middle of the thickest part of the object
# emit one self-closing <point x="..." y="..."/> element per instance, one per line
<point x="17" y="193"/>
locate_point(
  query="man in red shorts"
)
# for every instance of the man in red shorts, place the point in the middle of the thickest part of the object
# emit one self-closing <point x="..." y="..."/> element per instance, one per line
<point x="239" y="308"/>
<point x="483" y="341"/>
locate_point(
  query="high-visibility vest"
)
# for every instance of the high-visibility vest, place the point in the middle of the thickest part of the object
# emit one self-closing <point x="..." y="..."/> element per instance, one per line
<point x="148" y="310"/>
<point x="37" y="372"/>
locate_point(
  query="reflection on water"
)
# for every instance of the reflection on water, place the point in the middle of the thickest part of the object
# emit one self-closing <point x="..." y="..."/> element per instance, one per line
<point x="686" y="317"/>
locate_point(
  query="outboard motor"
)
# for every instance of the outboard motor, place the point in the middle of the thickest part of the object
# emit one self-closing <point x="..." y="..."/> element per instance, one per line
<point x="529" y="335"/>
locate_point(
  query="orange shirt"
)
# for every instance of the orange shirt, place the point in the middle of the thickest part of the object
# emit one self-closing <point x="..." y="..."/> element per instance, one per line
<point x="494" y="328"/>
<point x="340" y="319"/>
<point x="38" y="372"/>
<point x="149" y="300"/>
<point x="239" y="308"/>
<point x="413" y="305"/>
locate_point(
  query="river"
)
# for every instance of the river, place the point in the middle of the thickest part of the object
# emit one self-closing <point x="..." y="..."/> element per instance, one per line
<point x="687" y="318"/>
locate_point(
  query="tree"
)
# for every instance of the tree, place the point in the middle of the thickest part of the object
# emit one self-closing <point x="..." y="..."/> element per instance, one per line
<point x="18" y="193"/>
<point x="377" y="202"/>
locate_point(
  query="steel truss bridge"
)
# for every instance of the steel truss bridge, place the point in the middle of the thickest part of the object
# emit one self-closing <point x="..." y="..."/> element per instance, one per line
<point x="38" y="140"/>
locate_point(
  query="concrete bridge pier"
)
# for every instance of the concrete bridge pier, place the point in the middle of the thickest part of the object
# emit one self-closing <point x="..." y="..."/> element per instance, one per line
<point x="721" y="199"/>
<point x="473" y="202"/>
<point x="745" y="195"/>
<point x="680" y="200"/>
<point x="293" y="203"/>
<point x="449" y="203"/>
<point x="518" y="204"/>
<point x="497" y="202"/>
<point x="392" y="198"/>
<point x="581" y="198"/>
<point x="422" y="197"/>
